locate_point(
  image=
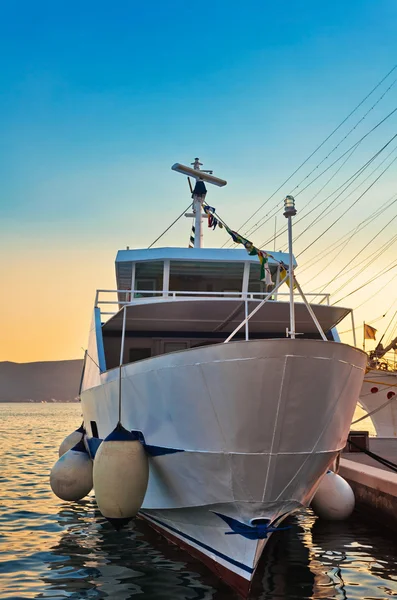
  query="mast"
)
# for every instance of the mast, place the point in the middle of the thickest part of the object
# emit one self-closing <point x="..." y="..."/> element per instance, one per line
<point x="199" y="194"/>
<point x="379" y="351"/>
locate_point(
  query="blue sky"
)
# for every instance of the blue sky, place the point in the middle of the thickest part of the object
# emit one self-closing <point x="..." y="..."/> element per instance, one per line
<point x="96" y="95"/>
<point x="98" y="100"/>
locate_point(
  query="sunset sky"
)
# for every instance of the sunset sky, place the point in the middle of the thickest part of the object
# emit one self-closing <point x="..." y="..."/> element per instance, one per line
<point x="98" y="100"/>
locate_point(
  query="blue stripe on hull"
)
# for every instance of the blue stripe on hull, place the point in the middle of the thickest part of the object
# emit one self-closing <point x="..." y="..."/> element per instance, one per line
<point x="201" y="544"/>
<point x="94" y="444"/>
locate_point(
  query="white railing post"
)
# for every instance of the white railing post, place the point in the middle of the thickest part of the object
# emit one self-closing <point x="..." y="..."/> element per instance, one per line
<point x="246" y="320"/>
<point x="246" y="276"/>
<point x="123" y="336"/>
<point x="265" y="299"/>
<point x="133" y="270"/>
<point x="166" y="277"/>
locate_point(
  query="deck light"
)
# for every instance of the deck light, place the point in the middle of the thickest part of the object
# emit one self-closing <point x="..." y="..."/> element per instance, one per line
<point x="289" y="207"/>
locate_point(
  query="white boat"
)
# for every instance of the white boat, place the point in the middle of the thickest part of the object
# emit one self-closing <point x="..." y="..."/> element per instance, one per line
<point x="378" y="396"/>
<point x="240" y="425"/>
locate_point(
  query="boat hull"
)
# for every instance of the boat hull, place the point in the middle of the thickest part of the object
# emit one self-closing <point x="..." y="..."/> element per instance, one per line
<point x="379" y="390"/>
<point x="239" y="436"/>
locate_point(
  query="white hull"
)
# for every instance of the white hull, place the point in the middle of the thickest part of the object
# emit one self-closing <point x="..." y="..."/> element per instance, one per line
<point x="380" y="389"/>
<point x="239" y="435"/>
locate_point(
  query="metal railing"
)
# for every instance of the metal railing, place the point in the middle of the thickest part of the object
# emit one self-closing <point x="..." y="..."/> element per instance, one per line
<point x="137" y="296"/>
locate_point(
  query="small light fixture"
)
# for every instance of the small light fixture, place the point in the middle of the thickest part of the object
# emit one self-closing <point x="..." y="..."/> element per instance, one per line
<point x="289" y="206"/>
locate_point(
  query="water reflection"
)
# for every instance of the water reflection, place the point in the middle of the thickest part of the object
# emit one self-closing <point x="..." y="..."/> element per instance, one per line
<point x="55" y="550"/>
<point x="95" y="561"/>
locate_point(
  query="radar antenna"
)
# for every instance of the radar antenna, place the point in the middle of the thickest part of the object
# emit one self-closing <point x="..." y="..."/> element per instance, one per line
<point x="199" y="193"/>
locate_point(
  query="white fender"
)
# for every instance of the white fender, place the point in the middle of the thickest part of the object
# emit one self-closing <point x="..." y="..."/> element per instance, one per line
<point x="71" y="440"/>
<point x="334" y="499"/>
<point x="71" y="476"/>
<point x="121" y="473"/>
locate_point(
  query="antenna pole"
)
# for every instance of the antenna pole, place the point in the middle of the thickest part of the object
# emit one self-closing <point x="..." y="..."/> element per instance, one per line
<point x="289" y="212"/>
<point x="198" y="239"/>
<point x="199" y="194"/>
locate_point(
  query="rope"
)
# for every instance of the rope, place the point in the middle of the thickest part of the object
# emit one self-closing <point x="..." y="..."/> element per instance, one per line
<point x="95" y="363"/>
<point x="383" y="461"/>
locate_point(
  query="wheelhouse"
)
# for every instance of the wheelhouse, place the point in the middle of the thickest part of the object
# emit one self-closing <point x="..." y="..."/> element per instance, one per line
<point x="173" y="299"/>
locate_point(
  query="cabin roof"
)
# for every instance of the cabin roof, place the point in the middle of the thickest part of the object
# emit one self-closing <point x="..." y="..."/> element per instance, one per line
<point x="197" y="254"/>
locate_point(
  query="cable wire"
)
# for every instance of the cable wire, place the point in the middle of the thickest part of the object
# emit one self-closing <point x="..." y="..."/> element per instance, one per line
<point x="172" y="224"/>
<point x="322" y="144"/>
<point x="349" y="207"/>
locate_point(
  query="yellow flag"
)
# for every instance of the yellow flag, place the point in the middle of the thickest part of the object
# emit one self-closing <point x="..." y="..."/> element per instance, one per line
<point x="369" y="332"/>
<point x="284" y="275"/>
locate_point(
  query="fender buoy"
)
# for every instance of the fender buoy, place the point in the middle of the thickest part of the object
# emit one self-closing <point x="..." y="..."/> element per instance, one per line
<point x="334" y="499"/>
<point x="121" y="473"/>
<point x="71" y="440"/>
<point x="71" y="476"/>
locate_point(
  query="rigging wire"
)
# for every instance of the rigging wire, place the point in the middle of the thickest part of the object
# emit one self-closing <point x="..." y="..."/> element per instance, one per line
<point x="378" y="292"/>
<point x="366" y="245"/>
<point x="340" y="241"/>
<point x="353" y="178"/>
<point x="315" y="196"/>
<point x="386" y="270"/>
<point x="361" y="326"/>
<point x="370" y="260"/>
<point x="346" y="136"/>
<point x="326" y="210"/>
<point x="172" y="224"/>
<point x="354" y="146"/>
<point x="391" y="113"/>
<point x="321" y="145"/>
<point x="351" y="206"/>
<point x="334" y="257"/>
<point x="389" y="339"/>
<point x="390" y="322"/>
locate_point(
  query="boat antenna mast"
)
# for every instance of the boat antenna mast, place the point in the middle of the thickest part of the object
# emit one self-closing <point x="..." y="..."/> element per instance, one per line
<point x="198" y="194"/>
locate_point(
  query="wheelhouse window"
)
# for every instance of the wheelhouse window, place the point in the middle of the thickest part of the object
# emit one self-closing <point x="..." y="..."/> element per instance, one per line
<point x="193" y="276"/>
<point x="255" y="285"/>
<point x="124" y="280"/>
<point x="148" y="278"/>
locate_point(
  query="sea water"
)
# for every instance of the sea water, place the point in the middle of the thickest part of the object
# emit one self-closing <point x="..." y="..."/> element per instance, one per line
<point x="52" y="549"/>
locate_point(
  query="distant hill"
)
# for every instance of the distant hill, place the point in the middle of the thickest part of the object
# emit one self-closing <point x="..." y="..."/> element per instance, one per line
<point x="40" y="380"/>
